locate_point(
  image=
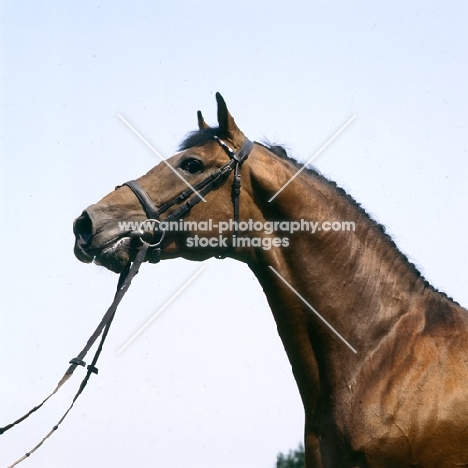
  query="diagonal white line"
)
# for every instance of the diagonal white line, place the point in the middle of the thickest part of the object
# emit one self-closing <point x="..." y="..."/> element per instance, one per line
<point x="313" y="310"/>
<point x="312" y="158"/>
<point x="161" y="309"/>
<point x="157" y="154"/>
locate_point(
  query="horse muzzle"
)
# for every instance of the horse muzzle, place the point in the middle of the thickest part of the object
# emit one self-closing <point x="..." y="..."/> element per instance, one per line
<point x="99" y="238"/>
<point x="105" y="245"/>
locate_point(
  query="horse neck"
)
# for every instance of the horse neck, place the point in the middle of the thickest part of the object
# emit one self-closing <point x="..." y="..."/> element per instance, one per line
<point x="356" y="280"/>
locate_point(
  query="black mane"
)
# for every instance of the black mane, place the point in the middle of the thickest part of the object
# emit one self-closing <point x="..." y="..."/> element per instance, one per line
<point x="201" y="137"/>
<point x="380" y="227"/>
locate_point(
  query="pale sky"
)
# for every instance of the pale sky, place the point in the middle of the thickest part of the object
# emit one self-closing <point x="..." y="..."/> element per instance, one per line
<point x="208" y="383"/>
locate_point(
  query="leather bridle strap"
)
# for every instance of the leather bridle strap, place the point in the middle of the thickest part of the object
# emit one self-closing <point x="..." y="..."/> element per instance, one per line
<point x="195" y="194"/>
<point x="239" y="157"/>
<point x="203" y="187"/>
<point x="150" y="209"/>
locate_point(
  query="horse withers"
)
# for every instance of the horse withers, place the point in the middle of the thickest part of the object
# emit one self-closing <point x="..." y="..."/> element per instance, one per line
<point x="379" y="356"/>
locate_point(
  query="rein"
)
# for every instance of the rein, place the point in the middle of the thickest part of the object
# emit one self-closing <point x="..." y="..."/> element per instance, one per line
<point x="208" y="184"/>
<point x="124" y="282"/>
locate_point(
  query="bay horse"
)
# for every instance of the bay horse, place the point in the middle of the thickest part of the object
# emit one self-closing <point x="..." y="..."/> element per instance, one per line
<point x="380" y="357"/>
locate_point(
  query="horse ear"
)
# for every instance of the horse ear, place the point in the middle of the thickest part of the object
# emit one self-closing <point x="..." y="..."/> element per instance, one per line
<point x="202" y="125"/>
<point x="227" y="125"/>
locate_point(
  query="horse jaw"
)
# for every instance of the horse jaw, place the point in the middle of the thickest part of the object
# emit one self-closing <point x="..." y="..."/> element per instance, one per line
<point x="115" y="256"/>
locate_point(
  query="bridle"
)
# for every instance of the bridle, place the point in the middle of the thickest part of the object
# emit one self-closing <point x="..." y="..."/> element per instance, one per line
<point x="153" y="251"/>
<point x="194" y="194"/>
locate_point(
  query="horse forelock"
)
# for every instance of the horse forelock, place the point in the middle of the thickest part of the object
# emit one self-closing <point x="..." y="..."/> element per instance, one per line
<point x="199" y="138"/>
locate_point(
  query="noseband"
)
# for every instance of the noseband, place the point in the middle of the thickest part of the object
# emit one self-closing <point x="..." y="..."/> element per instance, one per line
<point x="198" y="191"/>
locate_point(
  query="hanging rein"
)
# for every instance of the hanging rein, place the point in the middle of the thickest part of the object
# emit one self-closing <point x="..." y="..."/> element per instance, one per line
<point x="153" y="251"/>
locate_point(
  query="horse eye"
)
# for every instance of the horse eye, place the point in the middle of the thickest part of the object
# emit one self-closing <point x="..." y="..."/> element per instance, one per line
<point x="192" y="166"/>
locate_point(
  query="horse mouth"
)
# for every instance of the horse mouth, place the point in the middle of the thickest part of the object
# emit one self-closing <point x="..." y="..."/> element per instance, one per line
<point x="106" y="245"/>
<point x="114" y="255"/>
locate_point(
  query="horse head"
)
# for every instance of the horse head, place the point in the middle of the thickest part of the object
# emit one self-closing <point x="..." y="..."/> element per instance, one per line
<point x="194" y="191"/>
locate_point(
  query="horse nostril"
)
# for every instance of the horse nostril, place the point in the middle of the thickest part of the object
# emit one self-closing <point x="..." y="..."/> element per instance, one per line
<point x="83" y="228"/>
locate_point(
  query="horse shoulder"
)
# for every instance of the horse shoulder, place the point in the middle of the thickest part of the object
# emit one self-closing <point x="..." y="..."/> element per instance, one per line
<point x="410" y="397"/>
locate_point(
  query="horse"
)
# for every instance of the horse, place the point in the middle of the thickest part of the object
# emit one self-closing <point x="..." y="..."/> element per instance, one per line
<point x="380" y="356"/>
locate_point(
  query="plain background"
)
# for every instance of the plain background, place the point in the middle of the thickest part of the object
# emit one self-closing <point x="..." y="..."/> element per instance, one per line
<point x="208" y="383"/>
